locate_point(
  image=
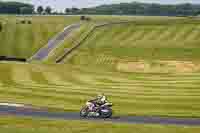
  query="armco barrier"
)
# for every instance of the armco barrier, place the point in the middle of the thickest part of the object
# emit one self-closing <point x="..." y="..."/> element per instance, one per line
<point x="6" y="58"/>
<point x="61" y="58"/>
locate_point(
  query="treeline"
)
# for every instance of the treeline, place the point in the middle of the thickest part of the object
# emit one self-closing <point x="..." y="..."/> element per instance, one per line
<point x="16" y="8"/>
<point x="22" y="8"/>
<point x="136" y="8"/>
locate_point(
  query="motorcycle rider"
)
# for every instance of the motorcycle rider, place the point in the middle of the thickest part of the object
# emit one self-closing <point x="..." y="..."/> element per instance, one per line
<point x="100" y="100"/>
<point x="97" y="107"/>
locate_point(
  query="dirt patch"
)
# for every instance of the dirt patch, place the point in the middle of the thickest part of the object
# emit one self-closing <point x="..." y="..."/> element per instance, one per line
<point x="132" y="66"/>
<point x="183" y="66"/>
<point x="159" y="66"/>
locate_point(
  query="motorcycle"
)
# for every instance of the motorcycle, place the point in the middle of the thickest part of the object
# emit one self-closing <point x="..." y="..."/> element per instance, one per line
<point x="103" y="111"/>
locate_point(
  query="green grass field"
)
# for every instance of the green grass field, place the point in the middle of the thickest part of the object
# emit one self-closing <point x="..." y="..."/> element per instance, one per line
<point x="174" y="40"/>
<point x="23" y="40"/>
<point x="139" y="65"/>
<point x="149" y="66"/>
<point x="24" y="125"/>
<point x="65" y="87"/>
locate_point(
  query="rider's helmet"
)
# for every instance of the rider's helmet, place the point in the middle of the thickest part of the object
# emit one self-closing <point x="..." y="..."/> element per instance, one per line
<point x="101" y="97"/>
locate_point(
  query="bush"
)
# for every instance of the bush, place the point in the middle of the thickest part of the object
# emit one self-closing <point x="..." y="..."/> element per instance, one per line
<point x="23" y="21"/>
<point x="29" y="22"/>
<point x="85" y="18"/>
<point x="88" y="19"/>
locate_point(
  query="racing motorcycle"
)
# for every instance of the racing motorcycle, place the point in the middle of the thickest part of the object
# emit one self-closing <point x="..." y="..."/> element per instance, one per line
<point x="91" y="110"/>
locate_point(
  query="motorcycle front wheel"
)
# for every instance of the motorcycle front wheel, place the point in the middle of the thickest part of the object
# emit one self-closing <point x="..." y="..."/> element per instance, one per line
<point x="84" y="112"/>
<point x="107" y="114"/>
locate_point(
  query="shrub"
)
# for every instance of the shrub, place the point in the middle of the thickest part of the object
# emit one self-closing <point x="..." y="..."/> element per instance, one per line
<point x="83" y="17"/>
<point x="88" y="19"/>
<point x="29" y="22"/>
<point x="23" y="21"/>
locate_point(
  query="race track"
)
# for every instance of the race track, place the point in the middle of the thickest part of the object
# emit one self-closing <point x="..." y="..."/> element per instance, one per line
<point x="20" y="111"/>
<point x="54" y="42"/>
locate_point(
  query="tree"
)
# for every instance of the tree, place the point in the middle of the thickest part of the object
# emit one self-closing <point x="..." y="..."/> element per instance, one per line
<point x="26" y="10"/>
<point x="197" y="13"/>
<point x="13" y="7"/>
<point x="67" y="10"/>
<point x="75" y="10"/>
<point x="40" y="9"/>
<point x="48" y="10"/>
<point x="136" y="8"/>
<point x="83" y="17"/>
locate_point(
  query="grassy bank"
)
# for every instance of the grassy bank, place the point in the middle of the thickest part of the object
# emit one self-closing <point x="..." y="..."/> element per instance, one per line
<point x="141" y="40"/>
<point x="146" y="67"/>
<point x="24" y="125"/>
<point x="72" y="40"/>
<point x="23" y="40"/>
<point x="68" y="87"/>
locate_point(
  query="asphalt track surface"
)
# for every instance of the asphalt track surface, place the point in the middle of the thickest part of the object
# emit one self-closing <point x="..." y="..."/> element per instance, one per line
<point x="42" y="113"/>
<point x="52" y="43"/>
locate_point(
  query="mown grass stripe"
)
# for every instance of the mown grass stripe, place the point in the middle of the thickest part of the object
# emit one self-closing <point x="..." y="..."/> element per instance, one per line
<point x="179" y="35"/>
<point x="75" y="95"/>
<point x="126" y="89"/>
<point x="113" y="89"/>
<point x="54" y="78"/>
<point x="166" y="32"/>
<point x="21" y="75"/>
<point x="158" y="34"/>
<point x="38" y="76"/>
<point x="194" y="34"/>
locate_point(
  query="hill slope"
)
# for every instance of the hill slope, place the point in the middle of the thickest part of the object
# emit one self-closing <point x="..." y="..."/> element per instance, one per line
<point x="23" y="40"/>
<point x="137" y="65"/>
<point x="170" y="43"/>
<point x="68" y="87"/>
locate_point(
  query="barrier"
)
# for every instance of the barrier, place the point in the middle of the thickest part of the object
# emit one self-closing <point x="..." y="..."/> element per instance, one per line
<point x="6" y="58"/>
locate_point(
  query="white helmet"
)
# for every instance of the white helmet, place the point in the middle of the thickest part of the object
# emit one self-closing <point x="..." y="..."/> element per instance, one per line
<point x="100" y="96"/>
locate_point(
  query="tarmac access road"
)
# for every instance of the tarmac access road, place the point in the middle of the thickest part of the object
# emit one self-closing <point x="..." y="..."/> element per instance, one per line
<point x="28" y="111"/>
<point x="54" y="42"/>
